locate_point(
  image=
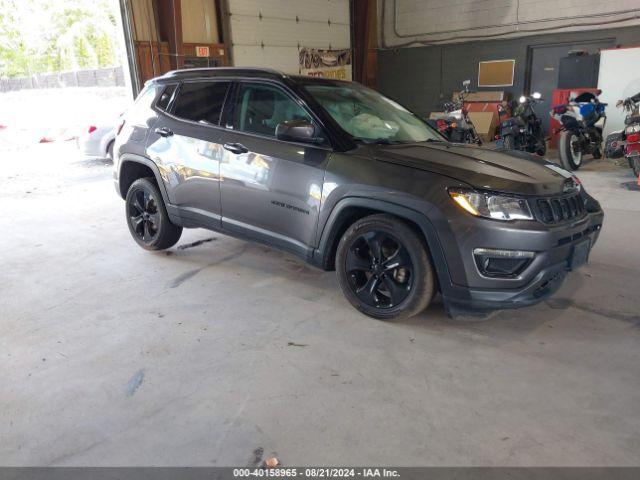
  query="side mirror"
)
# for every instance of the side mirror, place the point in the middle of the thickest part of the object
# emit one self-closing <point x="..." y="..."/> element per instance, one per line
<point x="466" y="83"/>
<point x="298" y="131"/>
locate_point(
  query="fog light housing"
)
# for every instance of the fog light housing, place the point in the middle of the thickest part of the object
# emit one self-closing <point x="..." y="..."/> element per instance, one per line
<point x="502" y="263"/>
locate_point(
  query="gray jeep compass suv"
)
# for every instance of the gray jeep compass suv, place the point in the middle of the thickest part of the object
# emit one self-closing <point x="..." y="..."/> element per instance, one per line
<point x="347" y="179"/>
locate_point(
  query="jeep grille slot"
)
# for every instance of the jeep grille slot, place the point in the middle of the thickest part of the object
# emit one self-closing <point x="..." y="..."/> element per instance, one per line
<point x="559" y="209"/>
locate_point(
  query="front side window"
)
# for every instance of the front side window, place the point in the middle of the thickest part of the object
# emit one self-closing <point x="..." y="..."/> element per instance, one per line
<point x="260" y="108"/>
<point x="369" y="116"/>
<point x="201" y="101"/>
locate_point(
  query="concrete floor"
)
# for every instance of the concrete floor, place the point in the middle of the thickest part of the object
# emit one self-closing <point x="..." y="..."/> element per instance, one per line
<point x="226" y="352"/>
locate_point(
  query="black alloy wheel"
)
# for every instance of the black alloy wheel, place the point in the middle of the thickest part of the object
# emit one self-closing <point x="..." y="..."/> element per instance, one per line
<point x="147" y="216"/>
<point x="380" y="269"/>
<point x="384" y="268"/>
<point x="144" y="216"/>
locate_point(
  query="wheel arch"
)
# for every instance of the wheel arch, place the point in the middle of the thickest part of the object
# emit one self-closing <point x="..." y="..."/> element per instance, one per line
<point x="132" y="167"/>
<point x="351" y="209"/>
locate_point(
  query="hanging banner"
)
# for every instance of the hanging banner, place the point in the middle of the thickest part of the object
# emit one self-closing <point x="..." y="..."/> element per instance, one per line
<point x="325" y="63"/>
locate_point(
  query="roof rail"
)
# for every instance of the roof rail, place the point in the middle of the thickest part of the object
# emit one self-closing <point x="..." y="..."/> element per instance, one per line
<point x="215" y="71"/>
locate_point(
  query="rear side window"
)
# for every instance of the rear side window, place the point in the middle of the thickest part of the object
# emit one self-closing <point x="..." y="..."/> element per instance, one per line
<point x="165" y="97"/>
<point x="201" y="102"/>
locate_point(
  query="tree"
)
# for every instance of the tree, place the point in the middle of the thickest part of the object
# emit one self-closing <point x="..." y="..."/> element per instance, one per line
<point x="54" y="35"/>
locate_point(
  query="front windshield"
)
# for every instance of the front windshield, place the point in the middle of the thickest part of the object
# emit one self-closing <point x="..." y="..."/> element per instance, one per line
<point x="369" y="116"/>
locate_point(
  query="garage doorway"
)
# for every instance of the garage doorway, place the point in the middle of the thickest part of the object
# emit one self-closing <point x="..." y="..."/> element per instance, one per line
<point x="543" y="62"/>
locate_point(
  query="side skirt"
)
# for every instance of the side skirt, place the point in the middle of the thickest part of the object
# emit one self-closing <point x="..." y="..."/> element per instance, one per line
<point x="195" y="218"/>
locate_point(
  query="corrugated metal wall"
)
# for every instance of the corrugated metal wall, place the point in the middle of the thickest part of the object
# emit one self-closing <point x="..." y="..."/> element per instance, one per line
<point x="411" y="22"/>
<point x="268" y="34"/>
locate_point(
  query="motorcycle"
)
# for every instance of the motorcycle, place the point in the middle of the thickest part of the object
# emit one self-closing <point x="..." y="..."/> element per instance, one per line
<point x="523" y="131"/>
<point x="583" y="120"/>
<point x="627" y="142"/>
<point x="455" y="124"/>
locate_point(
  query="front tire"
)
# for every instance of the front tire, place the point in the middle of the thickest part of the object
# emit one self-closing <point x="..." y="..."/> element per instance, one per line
<point x="384" y="269"/>
<point x="570" y="159"/>
<point x="147" y="216"/>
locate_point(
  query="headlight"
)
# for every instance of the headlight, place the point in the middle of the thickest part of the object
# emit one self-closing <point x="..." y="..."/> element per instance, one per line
<point x="491" y="205"/>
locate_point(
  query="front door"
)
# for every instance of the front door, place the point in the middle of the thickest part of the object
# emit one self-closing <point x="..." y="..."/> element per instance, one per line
<point x="270" y="187"/>
<point x="185" y="144"/>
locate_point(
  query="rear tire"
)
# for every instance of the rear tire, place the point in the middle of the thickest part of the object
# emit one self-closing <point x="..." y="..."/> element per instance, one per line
<point x="568" y="158"/>
<point x="636" y="165"/>
<point x="110" y="150"/>
<point x="384" y="269"/>
<point x="147" y="216"/>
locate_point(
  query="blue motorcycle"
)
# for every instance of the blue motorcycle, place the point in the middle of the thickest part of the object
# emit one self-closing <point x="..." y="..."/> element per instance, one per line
<point x="583" y="120"/>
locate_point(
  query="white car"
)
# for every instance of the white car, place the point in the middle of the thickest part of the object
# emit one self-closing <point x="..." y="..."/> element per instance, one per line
<point x="97" y="141"/>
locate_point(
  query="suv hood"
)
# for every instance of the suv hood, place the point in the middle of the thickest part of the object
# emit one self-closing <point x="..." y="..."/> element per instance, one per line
<point x="512" y="171"/>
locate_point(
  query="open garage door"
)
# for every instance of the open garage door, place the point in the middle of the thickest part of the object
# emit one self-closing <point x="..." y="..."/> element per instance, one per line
<point x="270" y="34"/>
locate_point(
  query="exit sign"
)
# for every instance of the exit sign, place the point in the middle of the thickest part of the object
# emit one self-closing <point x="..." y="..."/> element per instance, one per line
<point x="202" y="51"/>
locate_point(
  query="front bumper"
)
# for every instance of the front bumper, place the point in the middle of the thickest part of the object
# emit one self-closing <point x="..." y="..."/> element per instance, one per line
<point x="554" y="248"/>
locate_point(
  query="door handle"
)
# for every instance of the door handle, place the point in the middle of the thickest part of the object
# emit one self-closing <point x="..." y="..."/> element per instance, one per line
<point x="164" y="131"/>
<point x="235" y="148"/>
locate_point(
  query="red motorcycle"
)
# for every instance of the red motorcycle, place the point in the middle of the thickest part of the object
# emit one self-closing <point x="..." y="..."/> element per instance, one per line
<point x="627" y="141"/>
<point x="455" y="125"/>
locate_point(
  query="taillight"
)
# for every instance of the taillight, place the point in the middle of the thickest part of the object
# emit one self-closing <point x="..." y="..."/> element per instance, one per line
<point x="119" y="129"/>
<point x="633" y="138"/>
<point x="92" y="128"/>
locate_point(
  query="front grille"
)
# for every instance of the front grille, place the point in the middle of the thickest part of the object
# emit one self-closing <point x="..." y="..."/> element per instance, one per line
<point x="559" y="209"/>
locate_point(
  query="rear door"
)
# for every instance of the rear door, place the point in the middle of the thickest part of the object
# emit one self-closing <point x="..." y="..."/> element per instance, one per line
<point x="270" y="188"/>
<point x="185" y="144"/>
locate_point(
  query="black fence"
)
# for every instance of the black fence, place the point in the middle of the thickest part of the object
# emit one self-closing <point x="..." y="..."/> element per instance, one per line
<point x="101" y="77"/>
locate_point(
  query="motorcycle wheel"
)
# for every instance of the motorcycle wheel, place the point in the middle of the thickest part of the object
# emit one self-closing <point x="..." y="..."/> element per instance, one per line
<point x="569" y="159"/>
<point x="597" y="153"/>
<point x="636" y="166"/>
<point x="507" y="142"/>
<point x="541" y="146"/>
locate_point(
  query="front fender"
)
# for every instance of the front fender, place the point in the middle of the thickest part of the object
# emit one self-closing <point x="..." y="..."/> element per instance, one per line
<point x="322" y="254"/>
